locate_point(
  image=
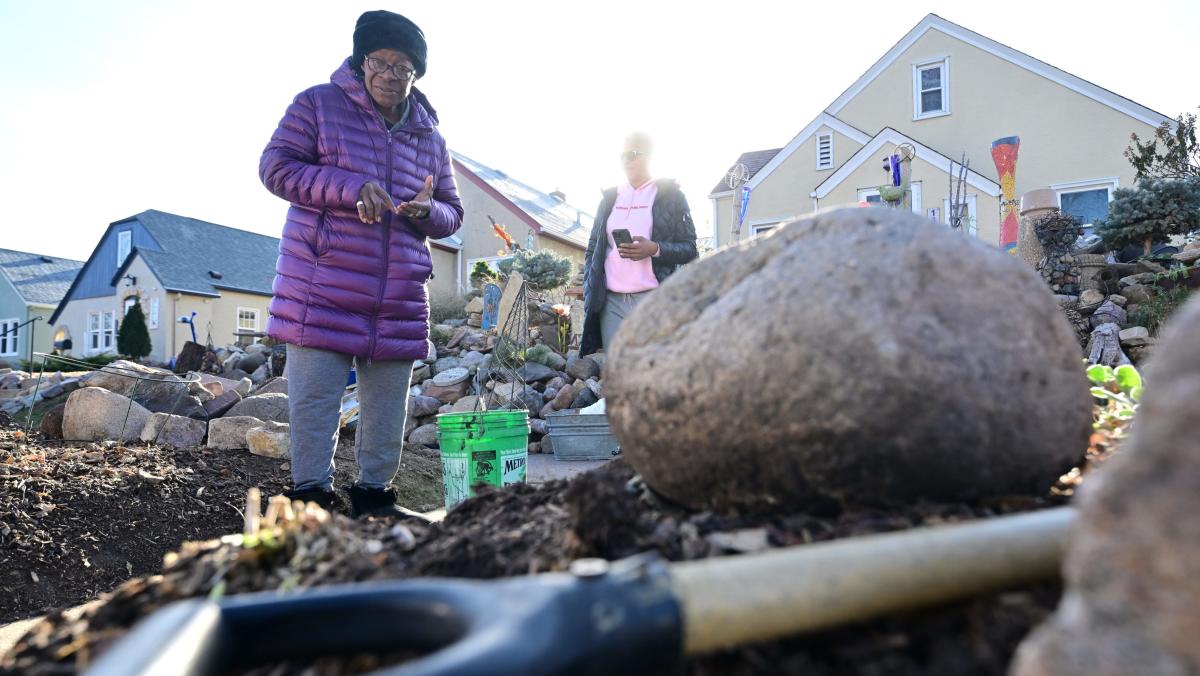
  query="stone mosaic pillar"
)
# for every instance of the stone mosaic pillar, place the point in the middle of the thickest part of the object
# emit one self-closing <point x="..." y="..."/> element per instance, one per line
<point x="1004" y="155"/>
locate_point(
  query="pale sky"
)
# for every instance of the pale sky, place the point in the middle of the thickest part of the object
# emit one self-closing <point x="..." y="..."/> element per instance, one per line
<point x="111" y="108"/>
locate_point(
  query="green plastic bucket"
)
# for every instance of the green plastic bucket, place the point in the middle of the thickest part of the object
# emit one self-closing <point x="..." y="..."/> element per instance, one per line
<point x="482" y="447"/>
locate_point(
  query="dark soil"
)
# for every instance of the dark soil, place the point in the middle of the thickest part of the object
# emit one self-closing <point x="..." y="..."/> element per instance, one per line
<point x="526" y="529"/>
<point x="77" y="519"/>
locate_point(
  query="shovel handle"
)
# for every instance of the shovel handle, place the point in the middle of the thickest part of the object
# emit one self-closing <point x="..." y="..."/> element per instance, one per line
<point x="749" y="599"/>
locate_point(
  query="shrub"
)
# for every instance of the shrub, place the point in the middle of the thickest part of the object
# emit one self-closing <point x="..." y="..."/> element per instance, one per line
<point x="442" y="308"/>
<point x="482" y="274"/>
<point x="543" y="269"/>
<point x="1180" y="152"/>
<point x="53" y="364"/>
<point x="1155" y="312"/>
<point x="133" y="339"/>
<point x="1155" y="210"/>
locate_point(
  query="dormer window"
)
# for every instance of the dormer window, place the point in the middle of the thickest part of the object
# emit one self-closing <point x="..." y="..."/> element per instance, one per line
<point x="931" y="89"/>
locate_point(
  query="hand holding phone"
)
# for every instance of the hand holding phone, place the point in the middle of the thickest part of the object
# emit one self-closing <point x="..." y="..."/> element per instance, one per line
<point x="622" y="236"/>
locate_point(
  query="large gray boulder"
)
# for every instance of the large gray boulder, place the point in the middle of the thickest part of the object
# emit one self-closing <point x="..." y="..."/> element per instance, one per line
<point x="174" y="431"/>
<point x="275" y="385"/>
<point x="158" y="390"/>
<point x="273" y="407"/>
<point x="897" y="361"/>
<point x="229" y="433"/>
<point x="95" y="414"/>
<point x="1132" y="570"/>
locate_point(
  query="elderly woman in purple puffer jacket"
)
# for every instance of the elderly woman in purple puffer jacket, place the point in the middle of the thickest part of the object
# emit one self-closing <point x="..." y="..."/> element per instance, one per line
<point x="369" y="180"/>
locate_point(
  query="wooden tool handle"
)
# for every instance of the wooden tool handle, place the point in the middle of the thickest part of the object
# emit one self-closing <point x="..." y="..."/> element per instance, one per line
<point x="748" y="599"/>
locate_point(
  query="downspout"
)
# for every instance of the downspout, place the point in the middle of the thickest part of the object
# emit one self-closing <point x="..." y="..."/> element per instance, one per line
<point x="813" y="195"/>
<point x="174" y="321"/>
<point x="714" y="224"/>
<point x="458" y="266"/>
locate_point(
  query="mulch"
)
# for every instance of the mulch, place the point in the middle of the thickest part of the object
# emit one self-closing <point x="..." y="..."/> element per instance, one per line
<point x="528" y="529"/>
<point x="77" y="519"/>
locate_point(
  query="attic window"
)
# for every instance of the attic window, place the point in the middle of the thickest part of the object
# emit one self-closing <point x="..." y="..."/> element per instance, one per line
<point x="214" y="274"/>
<point x="825" y="151"/>
<point x="931" y="89"/>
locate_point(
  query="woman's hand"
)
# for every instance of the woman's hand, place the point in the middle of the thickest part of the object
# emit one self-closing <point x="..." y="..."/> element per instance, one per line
<point x="639" y="249"/>
<point x="419" y="206"/>
<point x="372" y="201"/>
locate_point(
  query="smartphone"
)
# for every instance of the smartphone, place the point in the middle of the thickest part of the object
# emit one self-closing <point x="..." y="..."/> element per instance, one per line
<point x="621" y="236"/>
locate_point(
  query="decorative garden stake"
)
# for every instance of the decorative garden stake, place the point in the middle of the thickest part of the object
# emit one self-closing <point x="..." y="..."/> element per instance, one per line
<point x="491" y="306"/>
<point x="1004" y="154"/>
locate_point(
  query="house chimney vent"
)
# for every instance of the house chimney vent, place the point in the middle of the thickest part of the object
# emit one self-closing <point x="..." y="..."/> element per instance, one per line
<point x="559" y="195"/>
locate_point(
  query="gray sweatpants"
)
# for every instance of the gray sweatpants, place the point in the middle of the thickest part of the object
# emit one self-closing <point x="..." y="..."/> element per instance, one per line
<point x="617" y="307"/>
<point x="316" y="383"/>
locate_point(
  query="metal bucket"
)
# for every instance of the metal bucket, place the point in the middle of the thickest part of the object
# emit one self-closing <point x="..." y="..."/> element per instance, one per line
<point x="578" y="436"/>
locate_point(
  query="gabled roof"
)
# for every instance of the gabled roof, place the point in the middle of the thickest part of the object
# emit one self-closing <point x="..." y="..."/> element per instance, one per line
<point x="190" y="249"/>
<point x="546" y="214"/>
<point x="1002" y="51"/>
<point x="754" y="161"/>
<point x="38" y="279"/>
<point x="891" y="136"/>
<point x="822" y="121"/>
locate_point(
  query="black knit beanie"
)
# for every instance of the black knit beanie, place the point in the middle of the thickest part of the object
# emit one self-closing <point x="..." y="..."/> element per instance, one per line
<point x="382" y="29"/>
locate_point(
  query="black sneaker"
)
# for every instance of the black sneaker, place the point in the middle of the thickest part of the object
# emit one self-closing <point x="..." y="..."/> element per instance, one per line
<point x="324" y="497"/>
<point x="374" y="502"/>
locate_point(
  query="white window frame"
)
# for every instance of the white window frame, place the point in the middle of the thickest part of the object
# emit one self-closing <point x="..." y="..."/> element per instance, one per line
<point x="972" y="214"/>
<point x="257" y="315"/>
<point x="105" y="332"/>
<point x="10" y="342"/>
<point x="124" y="245"/>
<point x="1110" y="183"/>
<point x="915" y="186"/>
<point x="762" y="227"/>
<point x="943" y="63"/>
<point x="152" y="321"/>
<point x="821" y="138"/>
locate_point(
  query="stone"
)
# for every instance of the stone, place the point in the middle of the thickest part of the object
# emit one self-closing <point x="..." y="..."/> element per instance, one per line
<point x="547" y="443"/>
<point x="528" y="399"/>
<point x="274" y="386"/>
<point x="71" y="384"/>
<point x="447" y="394"/>
<point x="744" y="541"/>
<point x="538" y="426"/>
<point x="596" y="388"/>
<point x="534" y="448"/>
<point x="566" y="395"/>
<point x="273" y="407"/>
<point x="1187" y="256"/>
<point x="509" y="298"/>
<point x="1118" y="300"/>
<point x="273" y="440"/>
<point x="856" y="393"/>
<point x="1132" y="568"/>
<point x="473" y="359"/>
<point x="229" y="433"/>
<point x="215" y="384"/>
<point x="1108" y="313"/>
<point x="464" y="405"/>
<point x="475" y="321"/>
<point x="475" y="305"/>
<point x="174" y="431"/>
<point x="56" y="390"/>
<point x="1135" y="335"/>
<point x="452" y="376"/>
<point x="557" y="382"/>
<point x="1139" y="278"/>
<point x="534" y="372"/>
<point x="582" y="368"/>
<point x="1091" y="297"/>
<point x="191" y="357"/>
<point x="546" y="410"/>
<point x="52" y="422"/>
<point x="421" y="373"/>
<point x="1136" y="293"/>
<point x="278" y="360"/>
<point x="542" y="354"/>
<point x="585" y="398"/>
<point x="96" y="414"/>
<point x="219" y="406"/>
<point x="445" y="364"/>
<point x="251" y="362"/>
<point x="421" y="406"/>
<point x="238" y="375"/>
<point x="549" y="394"/>
<point x="425" y="435"/>
<point x="258" y="348"/>
<point x="260" y="375"/>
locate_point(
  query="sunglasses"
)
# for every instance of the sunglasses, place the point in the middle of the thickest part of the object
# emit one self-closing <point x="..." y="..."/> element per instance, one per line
<point x="630" y="155"/>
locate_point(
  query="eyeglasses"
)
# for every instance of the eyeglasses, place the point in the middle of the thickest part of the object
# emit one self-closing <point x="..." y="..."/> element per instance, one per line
<point x="379" y="66"/>
<point x="630" y="155"/>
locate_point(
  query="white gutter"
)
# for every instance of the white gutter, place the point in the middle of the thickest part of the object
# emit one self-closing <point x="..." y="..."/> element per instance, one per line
<point x="458" y="266"/>
<point x="714" y="224"/>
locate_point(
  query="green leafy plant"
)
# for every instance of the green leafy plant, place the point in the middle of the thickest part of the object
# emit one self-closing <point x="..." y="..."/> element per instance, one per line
<point x="543" y="269"/>
<point x="53" y="364"/>
<point x="483" y="274"/>
<point x="133" y="339"/>
<point x="1155" y="210"/>
<point x="1120" y="390"/>
<point x="1155" y="312"/>
<point x="1172" y="153"/>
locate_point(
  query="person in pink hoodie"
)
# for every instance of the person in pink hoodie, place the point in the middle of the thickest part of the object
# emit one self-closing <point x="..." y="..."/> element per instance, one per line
<point x="652" y="220"/>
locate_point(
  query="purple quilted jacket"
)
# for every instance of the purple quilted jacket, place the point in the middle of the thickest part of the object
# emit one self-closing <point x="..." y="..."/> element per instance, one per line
<point x="340" y="284"/>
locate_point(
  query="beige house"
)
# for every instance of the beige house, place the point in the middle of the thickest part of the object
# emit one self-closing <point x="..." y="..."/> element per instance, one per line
<point x="217" y="277"/>
<point x="945" y="91"/>
<point x="534" y="219"/>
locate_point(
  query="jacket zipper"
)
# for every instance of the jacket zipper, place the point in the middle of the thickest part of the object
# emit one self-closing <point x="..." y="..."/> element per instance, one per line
<point x="387" y="240"/>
